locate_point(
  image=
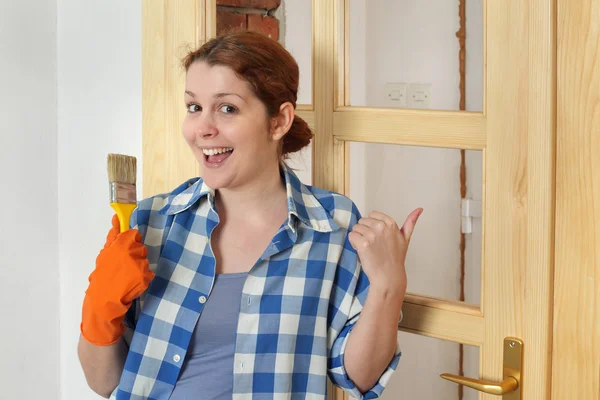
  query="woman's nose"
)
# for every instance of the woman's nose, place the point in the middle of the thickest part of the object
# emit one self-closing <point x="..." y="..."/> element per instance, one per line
<point x="205" y="127"/>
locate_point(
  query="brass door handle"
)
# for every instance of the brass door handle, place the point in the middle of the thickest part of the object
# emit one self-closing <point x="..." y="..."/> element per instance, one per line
<point x="510" y="387"/>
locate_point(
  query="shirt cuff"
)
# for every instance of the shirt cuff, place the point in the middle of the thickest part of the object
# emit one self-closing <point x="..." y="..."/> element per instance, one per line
<point x="340" y="376"/>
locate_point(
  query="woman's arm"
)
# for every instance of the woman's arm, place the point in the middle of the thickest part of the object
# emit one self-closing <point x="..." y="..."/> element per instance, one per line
<point x="381" y="247"/>
<point x="102" y="365"/>
<point x="372" y="342"/>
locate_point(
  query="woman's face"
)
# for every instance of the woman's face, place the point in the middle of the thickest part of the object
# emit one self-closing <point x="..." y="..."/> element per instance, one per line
<point x="227" y="128"/>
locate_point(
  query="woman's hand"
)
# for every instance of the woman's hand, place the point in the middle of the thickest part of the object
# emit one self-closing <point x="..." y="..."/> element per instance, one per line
<point x="122" y="274"/>
<point x="382" y="248"/>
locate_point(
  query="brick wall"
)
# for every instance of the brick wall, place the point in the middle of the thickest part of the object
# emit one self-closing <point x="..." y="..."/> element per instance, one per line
<point x="252" y="15"/>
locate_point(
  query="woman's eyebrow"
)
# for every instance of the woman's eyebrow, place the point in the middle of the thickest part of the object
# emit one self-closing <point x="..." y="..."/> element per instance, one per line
<point x="216" y="96"/>
<point x="220" y="95"/>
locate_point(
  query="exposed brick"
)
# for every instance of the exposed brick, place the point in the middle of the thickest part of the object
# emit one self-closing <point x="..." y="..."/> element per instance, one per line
<point x="227" y="21"/>
<point x="265" y="4"/>
<point x="268" y="26"/>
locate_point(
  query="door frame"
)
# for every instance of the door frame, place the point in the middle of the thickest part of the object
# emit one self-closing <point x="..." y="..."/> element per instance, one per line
<point x="576" y="342"/>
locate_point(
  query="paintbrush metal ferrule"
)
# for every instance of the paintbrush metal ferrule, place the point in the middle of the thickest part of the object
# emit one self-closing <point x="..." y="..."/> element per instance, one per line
<point x="122" y="193"/>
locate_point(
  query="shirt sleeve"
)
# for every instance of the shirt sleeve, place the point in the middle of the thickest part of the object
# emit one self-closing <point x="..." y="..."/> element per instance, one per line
<point x="350" y="290"/>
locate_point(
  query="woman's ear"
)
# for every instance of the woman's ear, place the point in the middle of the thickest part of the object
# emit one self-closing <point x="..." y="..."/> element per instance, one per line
<point x="282" y="122"/>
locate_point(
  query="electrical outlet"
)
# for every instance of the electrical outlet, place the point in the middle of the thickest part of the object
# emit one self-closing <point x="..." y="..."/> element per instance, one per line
<point x="418" y="95"/>
<point x="395" y="95"/>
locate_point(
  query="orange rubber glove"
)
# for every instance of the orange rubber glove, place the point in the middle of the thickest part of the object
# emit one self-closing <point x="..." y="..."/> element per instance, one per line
<point x="121" y="276"/>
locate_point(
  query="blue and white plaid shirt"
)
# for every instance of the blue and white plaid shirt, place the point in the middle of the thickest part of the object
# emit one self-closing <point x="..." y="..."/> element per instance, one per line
<point x="299" y="302"/>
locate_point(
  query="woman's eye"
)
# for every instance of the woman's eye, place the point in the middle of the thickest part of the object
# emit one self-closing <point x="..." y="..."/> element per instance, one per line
<point x="192" y="108"/>
<point x="227" y="109"/>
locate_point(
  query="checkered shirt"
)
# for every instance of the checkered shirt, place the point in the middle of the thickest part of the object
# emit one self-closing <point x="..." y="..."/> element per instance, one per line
<point x="299" y="302"/>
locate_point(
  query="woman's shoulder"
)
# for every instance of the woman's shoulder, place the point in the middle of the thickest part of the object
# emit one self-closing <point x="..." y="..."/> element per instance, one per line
<point x="151" y="207"/>
<point x="340" y="207"/>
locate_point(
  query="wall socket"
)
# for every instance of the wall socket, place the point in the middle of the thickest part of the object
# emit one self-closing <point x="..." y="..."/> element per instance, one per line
<point x="407" y="95"/>
<point x="395" y="95"/>
<point x="418" y="95"/>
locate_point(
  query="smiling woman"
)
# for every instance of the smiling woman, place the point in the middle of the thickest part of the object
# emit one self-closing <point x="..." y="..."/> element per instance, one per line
<point x="253" y="116"/>
<point x="258" y="288"/>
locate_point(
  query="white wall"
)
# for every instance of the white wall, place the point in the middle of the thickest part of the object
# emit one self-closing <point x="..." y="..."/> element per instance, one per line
<point x="29" y="275"/>
<point x="99" y="112"/>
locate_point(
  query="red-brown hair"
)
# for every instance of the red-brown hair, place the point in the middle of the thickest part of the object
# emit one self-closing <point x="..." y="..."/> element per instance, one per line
<point x="268" y="67"/>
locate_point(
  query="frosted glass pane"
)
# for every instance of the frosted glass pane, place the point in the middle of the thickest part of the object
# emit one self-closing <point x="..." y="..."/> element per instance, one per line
<point x="423" y="360"/>
<point x="405" y="54"/>
<point x="397" y="179"/>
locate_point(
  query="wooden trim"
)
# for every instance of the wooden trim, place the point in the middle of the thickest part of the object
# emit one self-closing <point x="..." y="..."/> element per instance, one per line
<point x="153" y="86"/>
<point x="308" y="116"/>
<point x="576" y="342"/>
<point x="483" y="228"/>
<point x="200" y="22"/>
<point x="519" y="173"/>
<point x="541" y="154"/>
<point x="210" y="17"/>
<point x="460" y="130"/>
<point x="324" y="77"/>
<point x="180" y="34"/>
<point x="167" y="35"/>
<point x="340" y="48"/>
<point x="339" y="157"/>
<point x="347" y="169"/>
<point x="304" y="107"/>
<point x="443" y="304"/>
<point x="443" y="324"/>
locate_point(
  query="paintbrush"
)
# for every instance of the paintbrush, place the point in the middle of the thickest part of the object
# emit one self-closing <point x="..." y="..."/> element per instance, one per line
<point x="121" y="176"/>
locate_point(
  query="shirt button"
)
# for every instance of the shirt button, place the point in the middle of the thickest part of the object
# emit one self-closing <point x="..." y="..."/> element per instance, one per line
<point x="202" y="299"/>
<point x="176" y="358"/>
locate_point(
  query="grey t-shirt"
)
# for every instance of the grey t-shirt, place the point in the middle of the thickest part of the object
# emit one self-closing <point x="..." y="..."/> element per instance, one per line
<point x="207" y="371"/>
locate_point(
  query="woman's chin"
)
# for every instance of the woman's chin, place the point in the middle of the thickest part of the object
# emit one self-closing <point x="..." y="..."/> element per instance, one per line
<point x="215" y="179"/>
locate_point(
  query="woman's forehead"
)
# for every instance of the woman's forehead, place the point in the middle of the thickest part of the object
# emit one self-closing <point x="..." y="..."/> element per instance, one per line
<point x="204" y="78"/>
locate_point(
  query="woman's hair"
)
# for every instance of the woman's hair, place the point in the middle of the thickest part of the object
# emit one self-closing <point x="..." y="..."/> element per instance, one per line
<point x="268" y="67"/>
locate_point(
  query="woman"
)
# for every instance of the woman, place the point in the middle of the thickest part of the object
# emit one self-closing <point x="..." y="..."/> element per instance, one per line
<point x="245" y="283"/>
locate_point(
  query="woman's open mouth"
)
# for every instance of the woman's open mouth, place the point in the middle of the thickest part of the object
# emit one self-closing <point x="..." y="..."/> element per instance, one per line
<point x="214" y="157"/>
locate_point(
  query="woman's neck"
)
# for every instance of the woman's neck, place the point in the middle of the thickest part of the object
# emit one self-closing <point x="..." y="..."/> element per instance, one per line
<point x="254" y="201"/>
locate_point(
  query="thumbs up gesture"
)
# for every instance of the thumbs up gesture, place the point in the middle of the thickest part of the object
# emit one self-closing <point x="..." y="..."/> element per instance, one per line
<point x="382" y="246"/>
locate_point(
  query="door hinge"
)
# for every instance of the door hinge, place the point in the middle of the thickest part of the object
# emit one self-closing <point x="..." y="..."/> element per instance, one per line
<point x="469" y="209"/>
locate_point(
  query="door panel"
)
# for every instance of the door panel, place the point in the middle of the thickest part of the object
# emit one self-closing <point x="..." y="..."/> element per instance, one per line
<point x="393" y="179"/>
<point x="516" y="287"/>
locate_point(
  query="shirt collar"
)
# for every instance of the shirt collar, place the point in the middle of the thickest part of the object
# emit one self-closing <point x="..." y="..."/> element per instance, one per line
<point x="187" y="195"/>
<point x="302" y="203"/>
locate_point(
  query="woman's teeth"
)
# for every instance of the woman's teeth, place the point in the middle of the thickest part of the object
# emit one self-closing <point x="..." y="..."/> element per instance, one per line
<point x="212" y="152"/>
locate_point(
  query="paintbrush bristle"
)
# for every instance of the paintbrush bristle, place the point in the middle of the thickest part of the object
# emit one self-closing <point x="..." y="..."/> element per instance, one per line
<point x="122" y="168"/>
